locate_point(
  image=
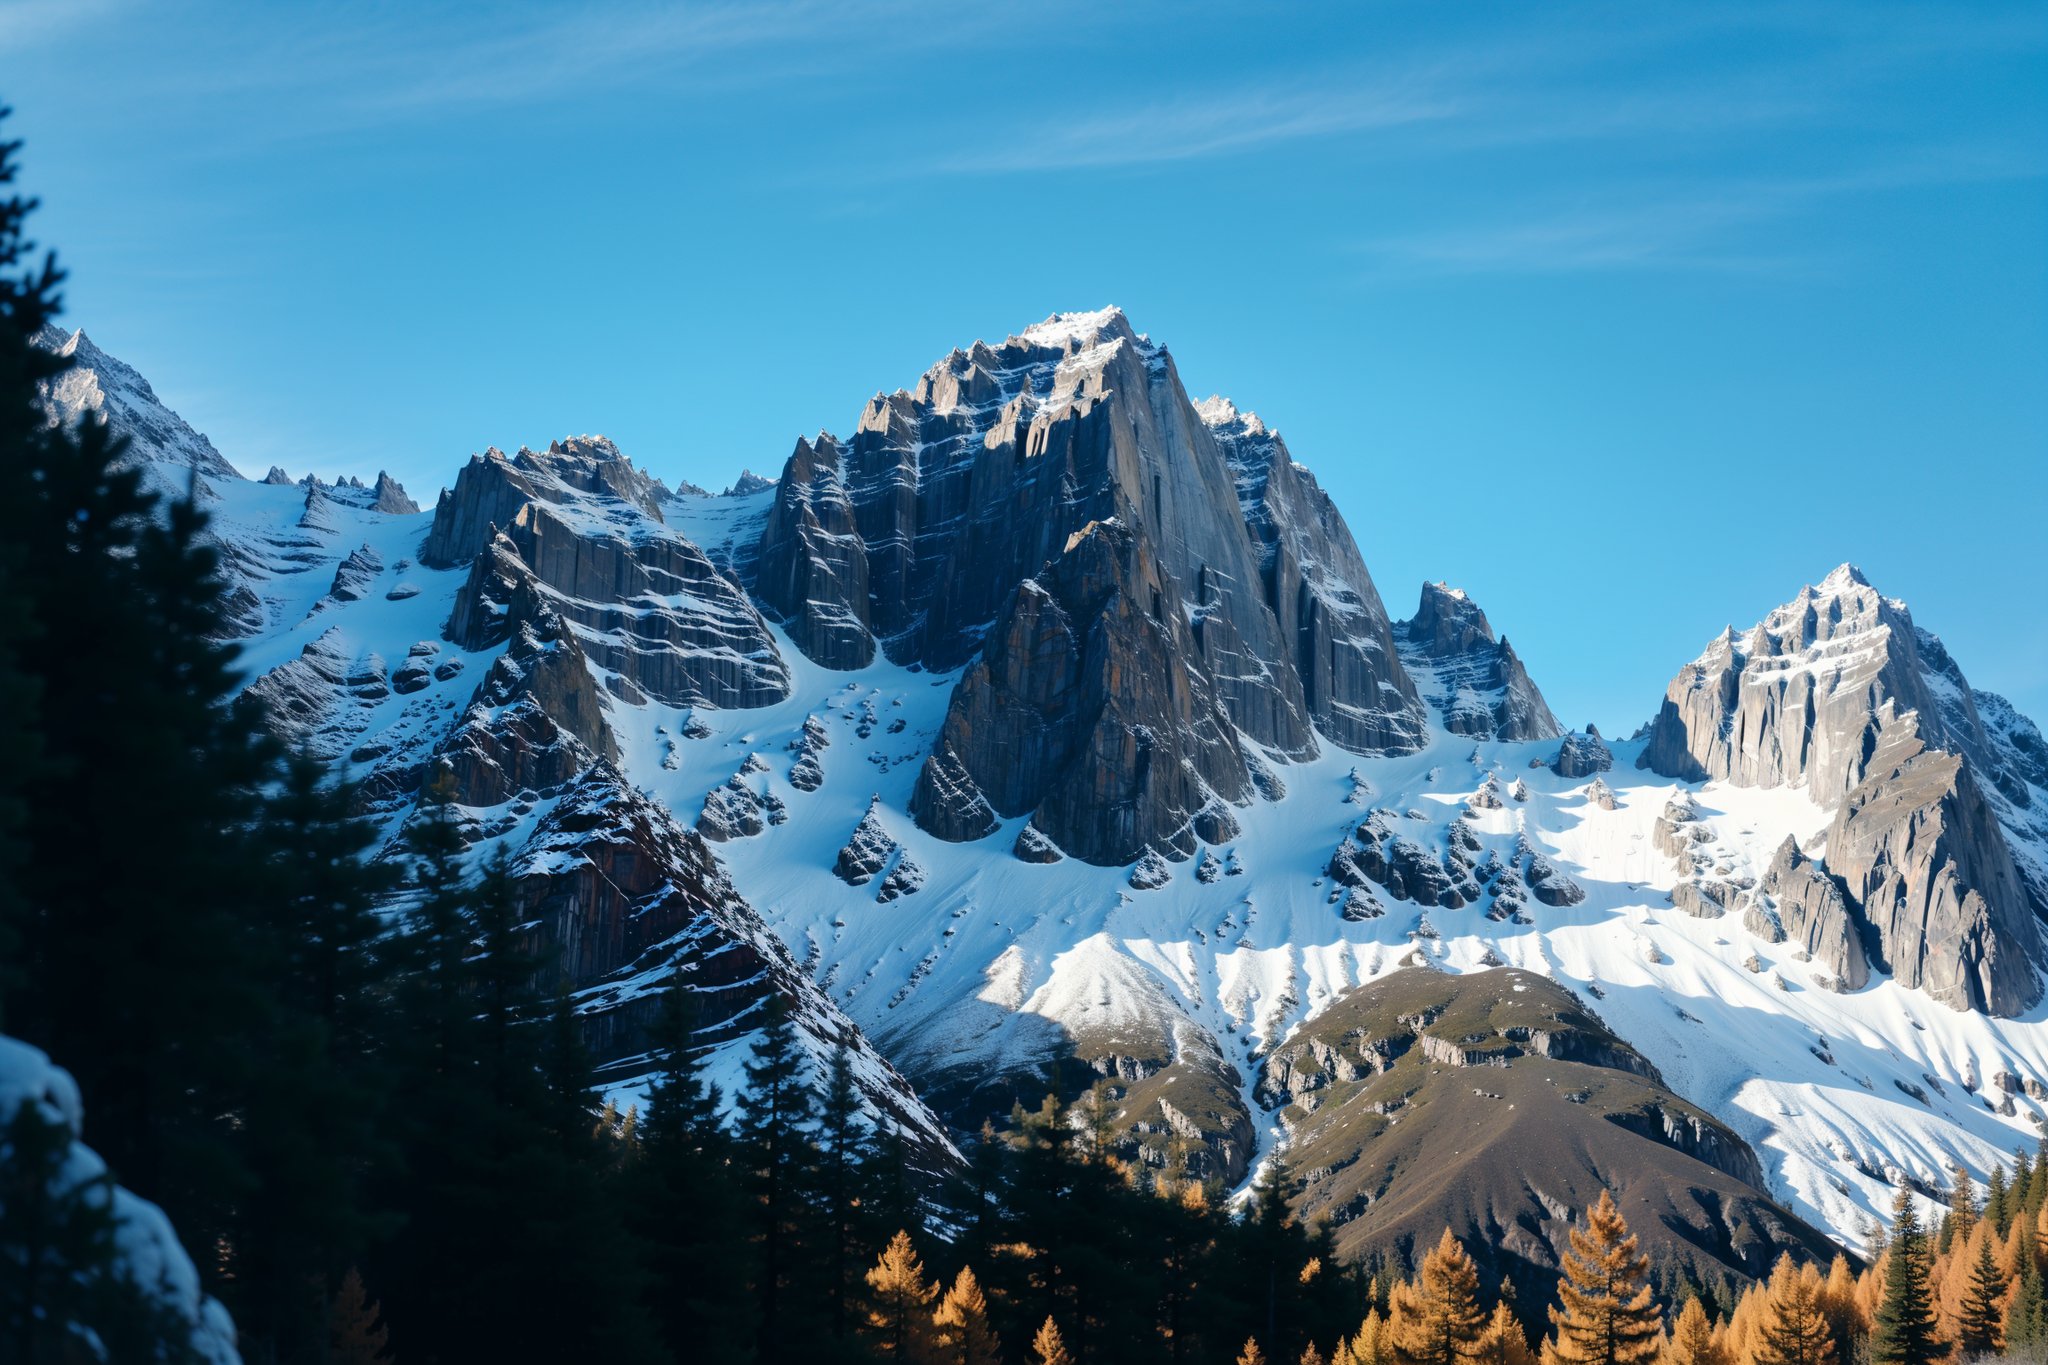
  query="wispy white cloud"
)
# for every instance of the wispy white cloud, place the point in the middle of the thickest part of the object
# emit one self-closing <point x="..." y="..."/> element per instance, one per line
<point x="1189" y="128"/>
<point x="1700" y="227"/>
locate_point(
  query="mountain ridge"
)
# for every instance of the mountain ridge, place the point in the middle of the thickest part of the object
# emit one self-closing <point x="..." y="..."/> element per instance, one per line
<point x="989" y="676"/>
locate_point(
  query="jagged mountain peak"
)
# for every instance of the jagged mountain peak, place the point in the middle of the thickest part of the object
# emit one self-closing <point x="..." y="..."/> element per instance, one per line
<point x="96" y="382"/>
<point x="1938" y="841"/>
<point x="1077" y="331"/>
<point x="1475" y="682"/>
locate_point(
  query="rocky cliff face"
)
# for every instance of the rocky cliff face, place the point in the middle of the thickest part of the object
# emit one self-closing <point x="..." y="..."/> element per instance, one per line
<point x="1474" y="681"/>
<point x="1355" y="686"/>
<point x="582" y="527"/>
<point x="938" y="533"/>
<point x="1079" y="714"/>
<point x="1840" y="693"/>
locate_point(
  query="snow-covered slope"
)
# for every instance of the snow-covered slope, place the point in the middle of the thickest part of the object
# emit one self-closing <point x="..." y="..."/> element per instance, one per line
<point x="774" y="735"/>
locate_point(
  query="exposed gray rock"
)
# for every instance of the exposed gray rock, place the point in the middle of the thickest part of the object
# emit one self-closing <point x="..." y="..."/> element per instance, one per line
<point x="277" y="476"/>
<point x="732" y="810"/>
<point x="906" y="878"/>
<point x="1083" y="713"/>
<point x="648" y="606"/>
<point x="1033" y="847"/>
<point x="1600" y="794"/>
<point x="1839" y="692"/>
<point x="1315" y="582"/>
<point x="1475" y="682"/>
<point x="354" y="575"/>
<point x="389" y="496"/>
<point x="1581" y="755"/>
<point x="867" y="850"/>
<point x="1814" y="915"/>
<point x="1150" y="872"/>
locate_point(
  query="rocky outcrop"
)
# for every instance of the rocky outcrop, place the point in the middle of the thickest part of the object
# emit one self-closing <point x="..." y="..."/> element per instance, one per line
<point x="492" y="487"/>
<point x="1343" y="647"/>
<point x="1811" y="911"/>
<point x="811" y="571"/>
<point x="867" y="850"/>
<point x="1082" y="713"/>
<point x="1920" y="855"/>
<point x="1840" y="693"/>
<point x="648" y="607"/>
<point x="388" y="496"/>
<point x="1582" y="754"/>
<point x="1476" y="683"/>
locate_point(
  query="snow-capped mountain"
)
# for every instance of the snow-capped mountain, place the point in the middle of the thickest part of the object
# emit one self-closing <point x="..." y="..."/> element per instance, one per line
<point x="1051" y="728"/>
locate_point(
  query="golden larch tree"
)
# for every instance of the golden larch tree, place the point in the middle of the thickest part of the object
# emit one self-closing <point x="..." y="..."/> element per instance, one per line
<point x="1693" y="1340"/>
<point x="898" y="1316"/>
<point x="1503" y="1342"/>
<point x="1795" y="1331"/>
<point x="1606" y="1315"/>
<point x="1370" y="1346"/>
<point x="961" y="1330"/>
<point x="1048" y="1347"/>
<point x="1251" y="1354"/>
<point x="1436" y="1314"/>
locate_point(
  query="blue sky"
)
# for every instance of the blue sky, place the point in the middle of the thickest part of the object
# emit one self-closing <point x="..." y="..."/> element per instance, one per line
<point x="1628" y="319"/>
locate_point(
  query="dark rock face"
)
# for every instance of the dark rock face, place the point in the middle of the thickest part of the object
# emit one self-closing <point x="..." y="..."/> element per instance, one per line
<point x="1082" y="714"/>
<point x="492" y="487"/>
<point x="812" y="568"/>
<point x="1353" y="682"/>
<point x="1475" y="682"/>
<point x="622" y="899"/>
<point x="1397" y="1134"/>
<point x="646" y="603"/>
<point x="1839" y="692"/>
<point x="1581" y="755"/>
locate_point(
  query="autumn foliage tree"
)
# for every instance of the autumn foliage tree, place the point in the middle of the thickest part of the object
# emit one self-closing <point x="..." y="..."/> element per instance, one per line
<point x="1605" y="1314"/>
<point x="1437" y="1319"/>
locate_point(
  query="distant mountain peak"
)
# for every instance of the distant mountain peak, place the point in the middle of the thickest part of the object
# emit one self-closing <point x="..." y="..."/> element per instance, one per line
<point x="98" y="383"/>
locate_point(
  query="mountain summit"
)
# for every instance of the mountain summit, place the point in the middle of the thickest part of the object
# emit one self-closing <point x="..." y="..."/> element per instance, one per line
<point x="1049" y="732"/>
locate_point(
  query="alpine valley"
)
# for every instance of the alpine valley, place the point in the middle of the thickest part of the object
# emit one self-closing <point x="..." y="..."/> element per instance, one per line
<point x="1049" y="728"/>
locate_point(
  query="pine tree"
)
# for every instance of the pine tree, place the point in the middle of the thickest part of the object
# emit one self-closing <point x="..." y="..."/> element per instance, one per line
<point x="1962" y="1209"/>
<point x="842" y="1167"/>
<point x="780" y="1160"/>
<point x="1692" y="1340"/>
<point x="1048" y="1347"/>
<point x="1606" y="1315"/>
<point x="1981" y="1324"/>
<point x="1437" y="1314"/>
<point x="685" y="1199"/>
<point x="962" y="1332"/>
<point x="1370" y="1346"/>
<point x="2026" y="1324"/>
<point x="1795" y="1329"/>
<point x="355" y="1335"/>
<point x="313" y="1128"/>
<point x="1905" y="1332"/>
<point x="1995" y="1212"/>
